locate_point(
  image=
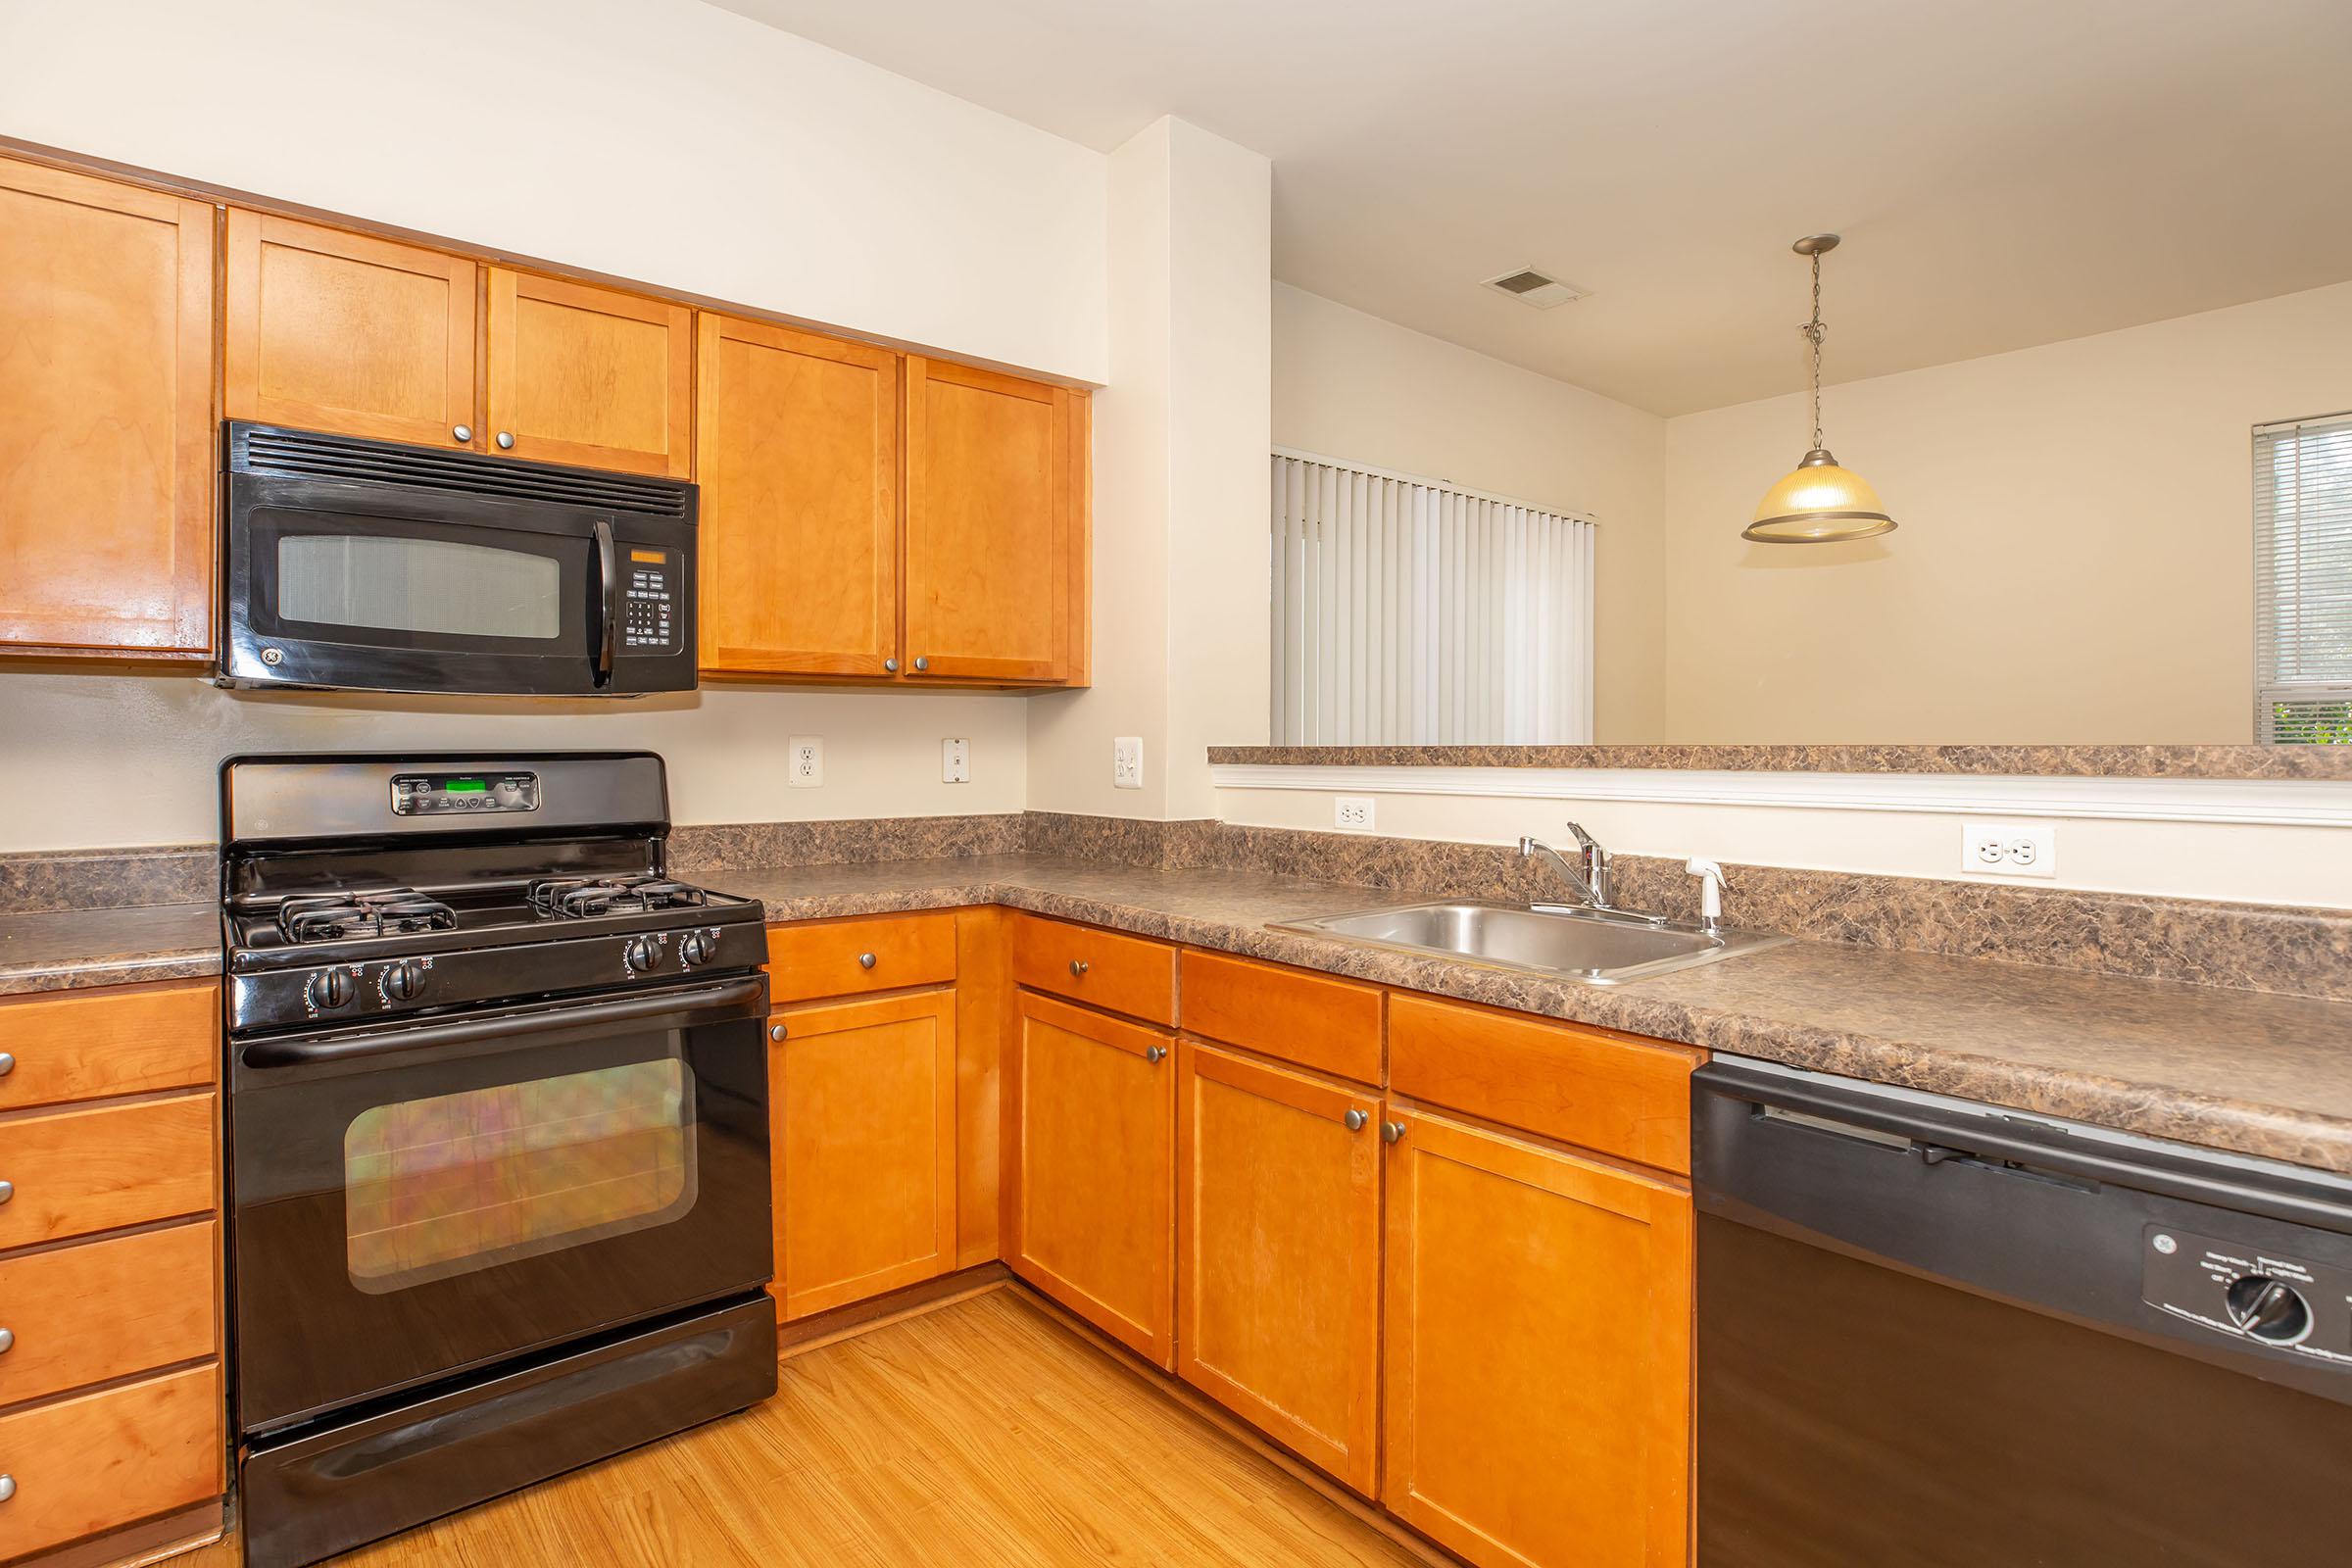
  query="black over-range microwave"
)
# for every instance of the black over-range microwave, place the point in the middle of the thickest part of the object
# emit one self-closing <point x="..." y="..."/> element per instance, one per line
<point x="371" y="565"/>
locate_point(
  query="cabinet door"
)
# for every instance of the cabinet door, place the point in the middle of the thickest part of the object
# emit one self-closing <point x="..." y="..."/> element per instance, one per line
<point x="996" y="550"/>
<point x="1094" y="1172"/>
<point x="1278" y="1253"/>
<point x="106" y="415"/>
<point x="590" y="377"/>
<point x="797" y="458"/>
<point x="862" y="1101"/>
<point x="1539" y="1352"/>
<point x="326" y="330"/>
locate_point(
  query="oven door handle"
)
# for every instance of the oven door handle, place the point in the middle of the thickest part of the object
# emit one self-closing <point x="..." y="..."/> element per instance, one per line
<point x="749" y="997"/>
<point x="607" y="596"/>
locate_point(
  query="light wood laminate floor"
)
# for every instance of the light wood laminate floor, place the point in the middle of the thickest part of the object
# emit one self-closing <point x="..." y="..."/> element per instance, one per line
<point x="984" y="1433"/>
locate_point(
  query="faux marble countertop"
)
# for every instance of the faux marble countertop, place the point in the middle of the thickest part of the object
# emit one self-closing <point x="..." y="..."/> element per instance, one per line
<point x="2240" y="1071"/>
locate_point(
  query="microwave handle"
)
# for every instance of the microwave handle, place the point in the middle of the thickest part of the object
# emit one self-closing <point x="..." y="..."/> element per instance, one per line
<point x="607" y="592"/>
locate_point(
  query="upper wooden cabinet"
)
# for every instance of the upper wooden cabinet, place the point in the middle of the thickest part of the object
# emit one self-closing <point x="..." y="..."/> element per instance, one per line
<point x="106" y="415"/>
<point x="996" y="546"/>
<point x="329" y="330"/>
<point x="590" y="377"/>
<point x="1537" y="1367"/>
<point x="797" y="458"/>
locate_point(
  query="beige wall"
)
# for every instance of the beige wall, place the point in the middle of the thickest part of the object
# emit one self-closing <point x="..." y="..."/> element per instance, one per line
<point x="2075" y="556"/>
<point x="1352" y="386"/>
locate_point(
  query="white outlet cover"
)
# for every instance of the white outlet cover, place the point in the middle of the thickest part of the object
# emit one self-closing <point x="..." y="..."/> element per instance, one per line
<point x="955" y="760"/>
<point x="1353" y="813"/>
<point x="804" y="762"/>
<point x="1127" y="763"/>
<point x="2009" y="849"/>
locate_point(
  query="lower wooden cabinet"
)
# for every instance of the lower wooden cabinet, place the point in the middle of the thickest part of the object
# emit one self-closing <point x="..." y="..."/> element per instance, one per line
<point x="1537" y="1351"/>
<point x="107" y="1309"/>
<point x="102" y="1460"/>
<point x="1278" y="1253"/>
<point x="1094" y="1169"/>
<point x="862" y="1108"/>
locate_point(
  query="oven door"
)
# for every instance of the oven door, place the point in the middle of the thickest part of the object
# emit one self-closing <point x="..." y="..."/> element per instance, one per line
<point x="385" y="587"/>
<point x="414" y="1201"/>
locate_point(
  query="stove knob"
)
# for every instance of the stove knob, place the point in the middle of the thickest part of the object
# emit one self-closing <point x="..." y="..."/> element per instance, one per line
<point x="404" y="981"/>
<point x="2268" y="1309"/>
<point x="697" y="946"/>
<point x="330" y="988"/>
<point x="642" y="954"/>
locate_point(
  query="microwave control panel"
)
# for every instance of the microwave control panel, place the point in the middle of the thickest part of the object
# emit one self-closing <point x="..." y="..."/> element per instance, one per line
<point x="650" y="590"/>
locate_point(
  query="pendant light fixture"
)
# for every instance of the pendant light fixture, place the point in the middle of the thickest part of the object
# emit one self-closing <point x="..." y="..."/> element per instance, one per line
<point x="1818" y="503"/>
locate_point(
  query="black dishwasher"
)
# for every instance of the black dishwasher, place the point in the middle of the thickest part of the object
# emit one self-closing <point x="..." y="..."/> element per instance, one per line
<point x="1943" y="1335"/>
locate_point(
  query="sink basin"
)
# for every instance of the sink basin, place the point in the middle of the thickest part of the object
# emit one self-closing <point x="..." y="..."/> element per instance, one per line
<point x="1601" y="948"/>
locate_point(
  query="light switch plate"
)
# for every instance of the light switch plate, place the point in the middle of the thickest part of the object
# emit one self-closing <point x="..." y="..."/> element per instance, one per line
<point x="804" y="762"/>
<point x="955" y="760"/>
<point x="1127" y="763"/>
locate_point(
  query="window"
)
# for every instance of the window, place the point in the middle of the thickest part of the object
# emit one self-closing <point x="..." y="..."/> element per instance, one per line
<point x="2303" y="581"/>
<point x="1407" y="611"/>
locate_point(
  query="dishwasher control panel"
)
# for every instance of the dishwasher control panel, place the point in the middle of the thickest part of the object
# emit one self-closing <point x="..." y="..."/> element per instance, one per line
<point x="2289" y="1304"/>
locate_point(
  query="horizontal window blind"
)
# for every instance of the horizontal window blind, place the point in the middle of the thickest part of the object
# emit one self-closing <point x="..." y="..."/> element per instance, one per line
<point x="1408" y="613"/>
<point x="2303" y="581"/>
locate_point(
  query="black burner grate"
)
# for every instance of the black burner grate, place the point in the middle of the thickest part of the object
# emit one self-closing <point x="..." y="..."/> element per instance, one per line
<point x="385" y="912"/>
<point x="583" y="897"/>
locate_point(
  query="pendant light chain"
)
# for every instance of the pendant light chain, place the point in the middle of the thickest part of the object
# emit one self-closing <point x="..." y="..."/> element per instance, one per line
<point x="1813" y="331"/>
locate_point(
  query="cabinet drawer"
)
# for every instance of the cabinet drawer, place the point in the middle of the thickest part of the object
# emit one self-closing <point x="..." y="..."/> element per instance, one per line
<point x="109" y="1460"/>
<point x="828" y="959"/>
<point x="85" y="1045"/>
<point x="1332" y="1025"/>
<point x="1578" y="1085"/>
<point x="1102" y="968"/>
<point x="106" y="1310"/>
<point x="96" y="1168"/>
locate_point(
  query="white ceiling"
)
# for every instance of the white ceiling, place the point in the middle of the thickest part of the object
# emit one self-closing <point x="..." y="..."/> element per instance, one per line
<point x="2005" y="172"/>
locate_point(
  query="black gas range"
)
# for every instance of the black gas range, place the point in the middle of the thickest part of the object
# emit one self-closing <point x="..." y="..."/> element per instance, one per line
<point x="498" y="1134"/>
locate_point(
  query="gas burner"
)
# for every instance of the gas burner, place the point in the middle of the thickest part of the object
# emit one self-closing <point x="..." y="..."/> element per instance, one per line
<point x="573" y="898"/>
<point x="387" y="912"/>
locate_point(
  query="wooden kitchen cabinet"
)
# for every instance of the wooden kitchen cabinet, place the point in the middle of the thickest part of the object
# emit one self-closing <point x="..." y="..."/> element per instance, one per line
<point x="1537" y="1351"/>
<point x="589" y="376"/>
<point x="1091" y="1220"/>
<point x="996" y="479"/>
<point x="798" y="458"/>
<point x="106" y="416"/>
<point x="100" y="1460"/>
<point x="324" y="330"/>
<point x="862" y="1110"/>
<point x="1278" y="1253"/>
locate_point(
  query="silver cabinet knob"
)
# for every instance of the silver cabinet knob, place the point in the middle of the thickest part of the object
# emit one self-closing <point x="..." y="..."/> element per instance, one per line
<point x="8" y="1488"/>
<point x="505" y="440"/>
<point x="866" y="961"/>
<point x="775" y="1031"/>
<point x="1356" y="1120"/>
<point x="1155" y="1052"/>
<point x="891" y="664"/>
<point x="8" y="1190"/>
<point x="7" y="1340"/>
<point x="460" y="433"/>
<point x="920" y="662"/>
<point x="1078" y="968"/>
<point x="1392" y="1131"/>
<point x="8" y="1064"/>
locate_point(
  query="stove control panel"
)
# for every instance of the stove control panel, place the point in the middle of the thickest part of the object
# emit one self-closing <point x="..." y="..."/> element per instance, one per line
<point x="456" y="794"/>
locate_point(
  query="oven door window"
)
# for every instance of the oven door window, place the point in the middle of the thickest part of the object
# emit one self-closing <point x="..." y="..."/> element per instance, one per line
<point x="443" y="587"/>
<point x="452" y="1184"/>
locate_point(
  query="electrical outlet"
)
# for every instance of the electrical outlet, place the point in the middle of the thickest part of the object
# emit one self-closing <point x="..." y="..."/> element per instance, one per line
<point x="804" y="762"/>
<point x="1127" y="763"/>
<point x="1352" y="811"/>
<point x="2009" y="849"/>
<point x="955" y="760"/>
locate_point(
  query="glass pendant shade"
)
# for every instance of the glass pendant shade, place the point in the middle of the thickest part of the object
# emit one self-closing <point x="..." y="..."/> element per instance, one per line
<point x="1818" y="503"/>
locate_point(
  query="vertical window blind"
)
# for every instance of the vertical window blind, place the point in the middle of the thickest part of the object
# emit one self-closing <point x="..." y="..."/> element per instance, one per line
<point x="1407" y="611"/>
<point x="2303" y="581"/>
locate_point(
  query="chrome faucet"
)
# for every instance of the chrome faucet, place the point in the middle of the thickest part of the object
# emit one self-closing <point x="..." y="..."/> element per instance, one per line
<point x="1588" y="876"/>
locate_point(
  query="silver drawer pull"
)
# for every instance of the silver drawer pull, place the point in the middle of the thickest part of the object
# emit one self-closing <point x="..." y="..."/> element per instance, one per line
<point x="7" y="1340"/>
<point x="1155" y="1052"/>
<point x="775" y="1031"/>
<point x="8" y="1488"/>
<point x="1078" y="968"/>
<point x="8" y="1064"/>
<point x="866" y="961"/>
<point x="1356" y="1120"/>
<point x="8" y="1190"/>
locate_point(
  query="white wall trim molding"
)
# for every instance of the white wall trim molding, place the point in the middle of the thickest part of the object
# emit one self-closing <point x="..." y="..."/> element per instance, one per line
<point x="2287" y="803"/>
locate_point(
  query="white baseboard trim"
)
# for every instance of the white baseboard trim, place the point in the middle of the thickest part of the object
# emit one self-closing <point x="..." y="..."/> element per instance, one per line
<point x="2287" y="803"/>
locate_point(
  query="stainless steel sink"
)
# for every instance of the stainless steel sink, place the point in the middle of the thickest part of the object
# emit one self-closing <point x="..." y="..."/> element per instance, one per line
<point x="1597" y="947"/>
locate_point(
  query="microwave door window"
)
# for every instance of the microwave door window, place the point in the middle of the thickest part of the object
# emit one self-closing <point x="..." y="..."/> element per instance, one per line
<point x="433" y="587"/>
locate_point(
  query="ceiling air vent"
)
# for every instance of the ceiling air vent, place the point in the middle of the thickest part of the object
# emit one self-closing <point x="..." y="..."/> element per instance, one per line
<point x="1538" y="290"/>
